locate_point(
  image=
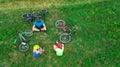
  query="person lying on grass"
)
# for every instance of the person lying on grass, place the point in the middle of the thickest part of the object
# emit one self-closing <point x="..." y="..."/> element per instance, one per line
<point x="39" y="25"/>
<point x="59" y="48"/>
<point x="37" y="51"/>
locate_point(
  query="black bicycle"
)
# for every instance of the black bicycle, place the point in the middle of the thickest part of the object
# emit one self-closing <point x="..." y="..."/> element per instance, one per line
<point x="29" y="17"/>
<point x="66" y="36"/>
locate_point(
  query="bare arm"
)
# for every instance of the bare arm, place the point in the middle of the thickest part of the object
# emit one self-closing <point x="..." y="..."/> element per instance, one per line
<point x="62" y="46"/>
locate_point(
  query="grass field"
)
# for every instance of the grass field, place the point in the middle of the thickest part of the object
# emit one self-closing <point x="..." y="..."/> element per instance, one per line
<point x="95" y="44"/>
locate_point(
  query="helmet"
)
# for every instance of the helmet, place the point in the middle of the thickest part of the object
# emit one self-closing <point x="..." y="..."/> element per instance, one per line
<point x="59" y="45"/>
<point x="35" y="47"/>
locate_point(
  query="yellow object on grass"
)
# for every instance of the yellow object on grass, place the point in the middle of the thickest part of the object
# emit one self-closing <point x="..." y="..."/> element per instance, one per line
<point x="35" y="47"/>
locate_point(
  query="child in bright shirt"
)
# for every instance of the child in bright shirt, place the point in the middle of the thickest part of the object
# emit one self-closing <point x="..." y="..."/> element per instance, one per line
<point x="59" y="49"/>
<point x="37" y="51"/>
<point x="39" y="25"/>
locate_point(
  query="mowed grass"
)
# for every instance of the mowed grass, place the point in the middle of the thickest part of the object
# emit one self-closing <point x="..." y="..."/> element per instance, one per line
<point x="95" y="44"/>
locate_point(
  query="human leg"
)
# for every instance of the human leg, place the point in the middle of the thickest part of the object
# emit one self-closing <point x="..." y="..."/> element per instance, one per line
<point x="44" y="28"/>
<point x="34" y="28"/>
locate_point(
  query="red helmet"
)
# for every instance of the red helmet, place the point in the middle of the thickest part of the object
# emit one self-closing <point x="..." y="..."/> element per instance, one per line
<point x="59" y="45"/>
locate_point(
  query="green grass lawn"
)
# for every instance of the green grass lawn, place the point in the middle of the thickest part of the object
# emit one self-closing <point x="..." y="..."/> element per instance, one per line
<point x="95" y="44"/>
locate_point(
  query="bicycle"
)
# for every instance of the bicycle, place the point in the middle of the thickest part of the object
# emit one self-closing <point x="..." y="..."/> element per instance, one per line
<point x="22" y="42"/>
<point x="66" y="36"/>
<point x="29" y="17"/>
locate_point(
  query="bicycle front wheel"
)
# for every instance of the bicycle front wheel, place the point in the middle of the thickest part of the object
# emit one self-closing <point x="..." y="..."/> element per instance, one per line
<point x="23" y="47"/>
<point x="65" y="38"/>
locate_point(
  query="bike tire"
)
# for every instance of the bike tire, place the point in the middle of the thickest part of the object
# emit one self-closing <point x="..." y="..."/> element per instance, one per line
<point x="65" y="38"/>
<point x="23" y="47"/>
<point x="60" y="23"/>
<point x="28" y="33"/>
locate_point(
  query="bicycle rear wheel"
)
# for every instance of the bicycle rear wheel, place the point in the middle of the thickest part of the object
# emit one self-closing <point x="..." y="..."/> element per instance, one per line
<point x="60" y="23"/>
<point x="28" y="33"/>
<point x="65" y="38"/>
<point x="23" y="47"/>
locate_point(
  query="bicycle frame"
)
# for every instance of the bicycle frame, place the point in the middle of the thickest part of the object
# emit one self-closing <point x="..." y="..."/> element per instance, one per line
<point x="22" y="38"/>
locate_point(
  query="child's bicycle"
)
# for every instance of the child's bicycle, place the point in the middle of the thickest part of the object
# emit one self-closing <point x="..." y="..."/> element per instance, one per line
<point x="22" y="41"/>
<point x="65" y="37"/>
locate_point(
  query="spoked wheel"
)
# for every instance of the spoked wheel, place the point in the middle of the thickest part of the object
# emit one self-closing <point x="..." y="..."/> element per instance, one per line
<point x="28" y="33"/>
<point x="42" y="13"/>
<point x="60" y="23"/>
<point x="23" y="47"/>
<point x="65" y="38"/>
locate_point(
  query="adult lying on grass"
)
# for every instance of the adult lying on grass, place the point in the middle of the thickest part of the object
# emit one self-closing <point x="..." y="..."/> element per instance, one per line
<point x="39" y="25"/>
<point x="59" y="48"/>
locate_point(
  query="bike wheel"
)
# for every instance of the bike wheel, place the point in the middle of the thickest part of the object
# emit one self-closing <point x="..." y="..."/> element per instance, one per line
<point x="23" y="47"/>
<point x="28" y="33"/>
<point x="60" y="23"/>
<point x="65" y="38"/>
